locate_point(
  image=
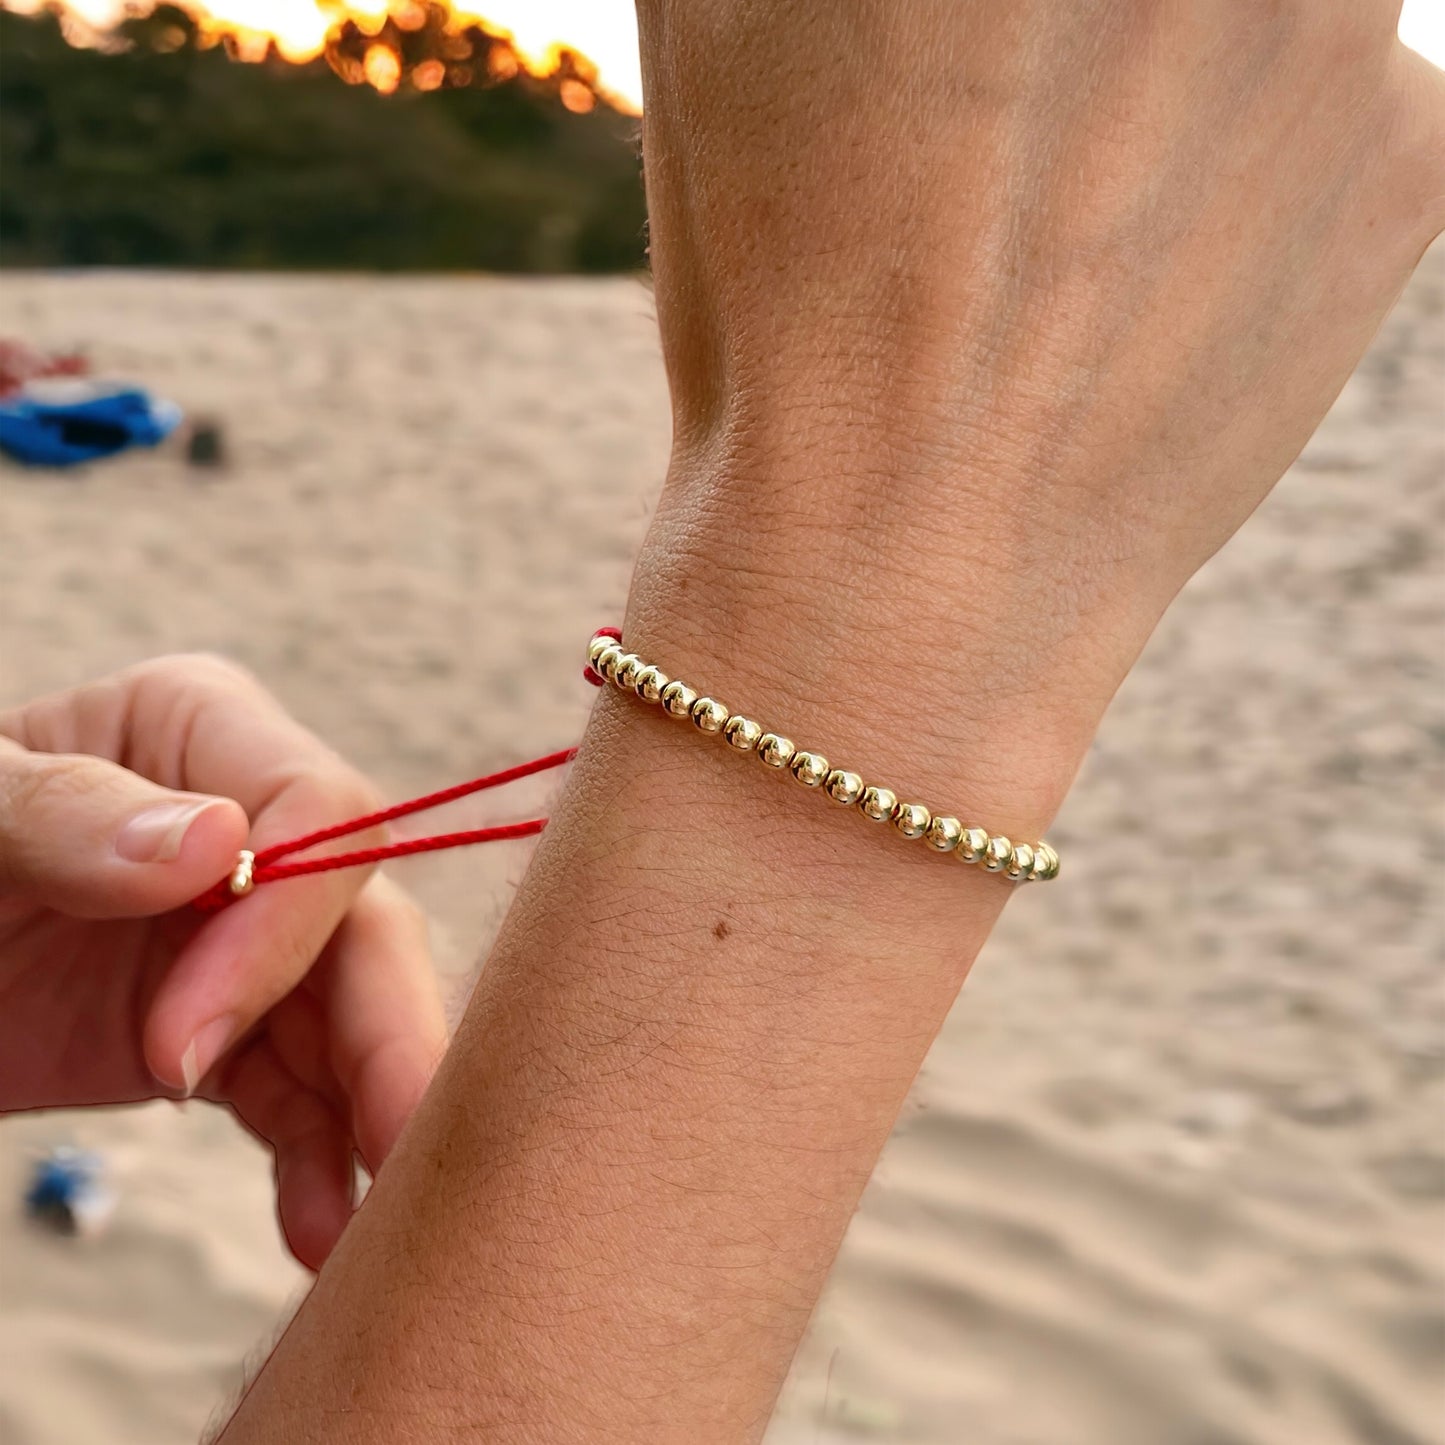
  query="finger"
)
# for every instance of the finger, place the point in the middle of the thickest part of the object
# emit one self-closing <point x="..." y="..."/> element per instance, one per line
<point x="249" y="957"/>
<point x="94" y="840"/>
<point x="297" y="1028"/>
<point x="315" y="1192"/>
<point x="201" y="722"/>
<point x="385" y="1028"/>
<point x="315" y="1182"/>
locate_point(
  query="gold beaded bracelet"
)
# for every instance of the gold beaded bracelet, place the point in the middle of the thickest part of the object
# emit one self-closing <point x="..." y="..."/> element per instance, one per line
<point x="1021" y="862"/>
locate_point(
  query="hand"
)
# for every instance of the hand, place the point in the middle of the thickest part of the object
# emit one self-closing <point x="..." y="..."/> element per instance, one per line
<point x="310" y="1009"/>
<point x="1006" y="315"/>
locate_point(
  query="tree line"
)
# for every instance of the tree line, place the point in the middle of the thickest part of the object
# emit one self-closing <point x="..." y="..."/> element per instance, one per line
<point x="167" y="152"/>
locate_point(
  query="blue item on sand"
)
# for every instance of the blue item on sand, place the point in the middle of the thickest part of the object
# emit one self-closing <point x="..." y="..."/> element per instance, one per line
<point x="64" y="424"/>
<point x="68" y="1190"/>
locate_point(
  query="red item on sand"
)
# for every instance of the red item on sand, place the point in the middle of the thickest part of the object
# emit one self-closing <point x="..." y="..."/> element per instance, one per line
<point x="20" y="364"/>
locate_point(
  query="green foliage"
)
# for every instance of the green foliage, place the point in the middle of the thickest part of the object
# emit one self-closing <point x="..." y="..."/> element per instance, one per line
<point x="169" y="154"/>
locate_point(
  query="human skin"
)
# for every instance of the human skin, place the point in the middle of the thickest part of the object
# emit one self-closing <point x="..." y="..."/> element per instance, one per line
<point x="314" y="1015"/>
<point x="985" y="326"/>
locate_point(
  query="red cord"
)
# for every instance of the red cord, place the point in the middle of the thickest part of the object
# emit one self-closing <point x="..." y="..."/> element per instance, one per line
<point x="268" y="868"/>
<point x="407" y="846"/>
<point x="402" y="810"/>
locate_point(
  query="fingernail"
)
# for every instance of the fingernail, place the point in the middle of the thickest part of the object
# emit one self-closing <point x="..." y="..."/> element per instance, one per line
<point x="202" y="1052"/>
<point x="156" y="835"/>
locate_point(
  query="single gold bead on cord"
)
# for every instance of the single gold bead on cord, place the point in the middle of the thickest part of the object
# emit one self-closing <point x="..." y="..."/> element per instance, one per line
<point x="943" y="834"/>
<point x="608" y="659"/>
<point x="911" y="819"/>
<point x="678" y="698"/>
<point x="878" y="804"/>
<point x="709" y="715"/>
<point x="1046" y="863"/>
<point x="810" y="769"/>
<point x="997" y="854"/>
<point x="742" y="733"/>
<point x="600" y="644"/>
<point x="1020" y="863"/>
<point x="842" y="787"/>
<point x="775" y="751"/>
<point x="625" y="670"/>
<point x="649" y="683"/>
<point x="972" y="846"/>
<point x="243" y="876"/>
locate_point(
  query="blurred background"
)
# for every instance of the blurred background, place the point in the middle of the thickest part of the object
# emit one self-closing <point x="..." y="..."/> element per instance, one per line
<point x="329" y="324"/>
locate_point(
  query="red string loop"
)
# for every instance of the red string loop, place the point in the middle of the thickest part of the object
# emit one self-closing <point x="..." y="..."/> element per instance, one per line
<point x="267" y="856"/>
<point x="267" y="866"/>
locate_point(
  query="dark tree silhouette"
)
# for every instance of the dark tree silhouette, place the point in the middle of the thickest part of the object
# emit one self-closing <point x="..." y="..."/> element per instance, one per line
<point x="169" y="153"/>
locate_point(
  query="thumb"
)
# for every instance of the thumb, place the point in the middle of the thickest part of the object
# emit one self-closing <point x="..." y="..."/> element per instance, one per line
<point x="91" y="839"/>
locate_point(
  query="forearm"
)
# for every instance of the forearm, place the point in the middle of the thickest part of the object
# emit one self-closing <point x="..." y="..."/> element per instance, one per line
<point x="948" y="440"/>
<point x="615" y="1209"/>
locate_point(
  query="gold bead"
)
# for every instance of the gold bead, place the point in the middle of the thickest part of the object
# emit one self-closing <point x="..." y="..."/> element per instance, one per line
<point x="678" y="698"/>
<point x="1020" y="864"/>
<point x="649" y="683"/>
<point x="972" y="846"/>
<point x="943" y="834"/>
<point x="742" y="733"/>
<point x="809" y="768"/>
<point x="997" y="854"/>
<point x="243" y="876"/>
<point x="844" y="788"/>
<point x="598" y="646"/>
<point x="878" y="804"/>
<point x="1046" y="863"/>
<point x="608" y="659"/>
<point x="775" y="751"/>
<point x="911" y="819"/>
<point x="709" y="715"/>
<point x="625" y="670"/>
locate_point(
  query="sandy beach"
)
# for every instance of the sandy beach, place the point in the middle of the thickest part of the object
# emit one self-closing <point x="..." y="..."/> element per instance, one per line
<point x="1174" y="1173"/>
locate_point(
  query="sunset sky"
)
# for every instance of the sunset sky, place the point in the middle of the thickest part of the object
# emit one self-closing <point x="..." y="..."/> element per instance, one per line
<point x="1422" y="25"/>
<point x="604" y="30"/>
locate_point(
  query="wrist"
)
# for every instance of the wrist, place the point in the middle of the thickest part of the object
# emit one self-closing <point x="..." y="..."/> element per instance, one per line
<point x="966" y="678"/>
